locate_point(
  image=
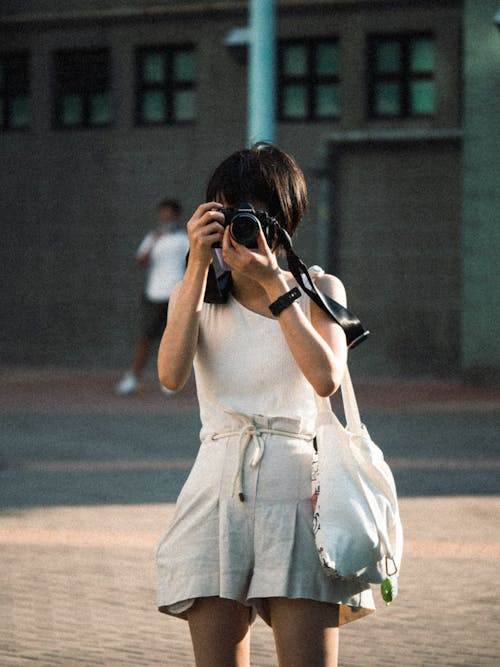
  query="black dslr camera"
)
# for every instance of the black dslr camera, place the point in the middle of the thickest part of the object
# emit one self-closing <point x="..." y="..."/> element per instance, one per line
<point x="245" y="223"/>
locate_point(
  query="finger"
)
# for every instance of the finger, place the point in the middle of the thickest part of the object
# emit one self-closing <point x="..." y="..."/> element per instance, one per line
<point x="210" y="216"/>
<point x="209" y="206"/>
<point x="227" y="240"/>
<point x="205" y="212"/>
<point x="229" y="249"/>
<point x="262" y="245"/>
<point x="213" y="228"/>
<point x="203" y="215"/>
<point x="210" y="239"/>
<point x="261" y="241"/>
<point x="198" y="229"/>
<point x="207" y="240"/>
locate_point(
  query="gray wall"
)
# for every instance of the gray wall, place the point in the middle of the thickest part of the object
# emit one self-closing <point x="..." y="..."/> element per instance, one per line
<point x="397" y="247"/>
<point x="76" y="203"/>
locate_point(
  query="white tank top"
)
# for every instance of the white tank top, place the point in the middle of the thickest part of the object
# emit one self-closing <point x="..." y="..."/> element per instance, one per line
<point x="244" y="365"/>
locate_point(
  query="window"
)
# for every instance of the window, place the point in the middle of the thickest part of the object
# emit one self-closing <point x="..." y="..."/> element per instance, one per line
<point x="165" y="85"/>
<point x="15" y="102"/>
<point x="401" y="76"/>
<point x="82" y="89"/>
<point x="309" y="82"/>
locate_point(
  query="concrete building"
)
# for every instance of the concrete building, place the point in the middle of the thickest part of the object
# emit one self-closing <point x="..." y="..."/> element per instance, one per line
<point x="391" y="108"/>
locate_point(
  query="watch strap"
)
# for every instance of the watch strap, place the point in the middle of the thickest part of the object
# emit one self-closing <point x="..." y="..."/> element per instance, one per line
<point x="285" y="300"/>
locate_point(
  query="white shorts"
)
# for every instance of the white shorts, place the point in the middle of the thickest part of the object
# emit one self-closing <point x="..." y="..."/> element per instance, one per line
<point x="251" y="550"/>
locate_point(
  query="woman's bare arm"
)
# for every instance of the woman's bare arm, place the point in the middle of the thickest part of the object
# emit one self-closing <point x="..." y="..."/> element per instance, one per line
<point x="180" y="339"/>
<point x="318" y="346"/>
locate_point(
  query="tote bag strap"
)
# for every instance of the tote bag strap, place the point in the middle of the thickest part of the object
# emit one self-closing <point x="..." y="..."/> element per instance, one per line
<point x="351" y="410"/>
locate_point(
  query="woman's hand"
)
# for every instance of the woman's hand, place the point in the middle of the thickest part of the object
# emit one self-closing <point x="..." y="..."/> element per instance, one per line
<point x="259" y="264"/>
<point x="204" y="229"/>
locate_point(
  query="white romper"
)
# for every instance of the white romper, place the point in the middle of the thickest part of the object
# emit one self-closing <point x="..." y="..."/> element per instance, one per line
<point x="242" y="527"/>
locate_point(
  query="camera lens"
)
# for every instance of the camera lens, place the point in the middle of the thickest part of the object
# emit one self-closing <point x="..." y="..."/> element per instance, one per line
<point x="245" y="229"/>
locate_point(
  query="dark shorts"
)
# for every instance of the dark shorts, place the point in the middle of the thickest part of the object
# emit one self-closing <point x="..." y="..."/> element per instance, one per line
<point x="153" y="318"/>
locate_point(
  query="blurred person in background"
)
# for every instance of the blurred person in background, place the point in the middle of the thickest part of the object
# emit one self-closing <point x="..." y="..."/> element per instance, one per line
<point x="163" y="253"/>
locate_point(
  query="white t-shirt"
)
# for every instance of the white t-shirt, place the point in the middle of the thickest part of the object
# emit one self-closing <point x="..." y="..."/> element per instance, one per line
<point x="167" y="262"/>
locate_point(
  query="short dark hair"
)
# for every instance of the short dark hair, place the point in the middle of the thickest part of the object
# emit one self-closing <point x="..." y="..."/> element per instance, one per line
<point x="266" y="173"/>
<point x="174" y="204"/>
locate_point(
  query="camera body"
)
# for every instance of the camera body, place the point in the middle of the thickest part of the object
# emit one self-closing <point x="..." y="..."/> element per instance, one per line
<point x="245" y="223"/>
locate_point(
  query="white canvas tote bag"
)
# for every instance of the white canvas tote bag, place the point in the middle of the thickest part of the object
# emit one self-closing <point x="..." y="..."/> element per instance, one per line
<point x="356" y="522"/>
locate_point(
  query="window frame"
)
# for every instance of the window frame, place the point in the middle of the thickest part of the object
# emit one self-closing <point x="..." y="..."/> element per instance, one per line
<point x="168" y="87"/>
<point x="9" y="92"/>
<point x="404" y="76"/>
<point x="311" y="79"/>
<point x="60" y="89"/>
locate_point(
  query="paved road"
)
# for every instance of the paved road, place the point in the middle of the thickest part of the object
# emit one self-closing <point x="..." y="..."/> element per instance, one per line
<point x="87" y="484"/>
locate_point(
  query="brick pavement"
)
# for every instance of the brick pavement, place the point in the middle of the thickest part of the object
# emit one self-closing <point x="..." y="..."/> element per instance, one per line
<point x="77" y="584"/>
<point x="77" y="587"/>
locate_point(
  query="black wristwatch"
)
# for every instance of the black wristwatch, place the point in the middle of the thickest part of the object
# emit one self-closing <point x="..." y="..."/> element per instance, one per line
<point x="285" y="300"/>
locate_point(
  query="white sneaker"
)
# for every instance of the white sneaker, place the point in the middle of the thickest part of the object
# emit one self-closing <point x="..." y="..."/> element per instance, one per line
<point x="129" y="384"/>
<point x="165" y="390"/>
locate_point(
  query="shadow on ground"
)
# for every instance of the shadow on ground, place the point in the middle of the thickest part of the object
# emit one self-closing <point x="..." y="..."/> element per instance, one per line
<point x="94" y="458"/>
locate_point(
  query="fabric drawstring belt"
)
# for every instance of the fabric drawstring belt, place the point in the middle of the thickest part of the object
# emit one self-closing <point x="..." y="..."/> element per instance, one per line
<point x="252" y="433"/>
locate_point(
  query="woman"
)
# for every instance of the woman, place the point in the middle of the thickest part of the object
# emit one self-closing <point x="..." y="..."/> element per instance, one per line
<point x="241" y="541"/>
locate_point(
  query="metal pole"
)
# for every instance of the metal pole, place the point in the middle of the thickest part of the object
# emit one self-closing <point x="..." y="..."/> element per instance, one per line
<point x="323" y="221"/>
<point x="261" y="72"/>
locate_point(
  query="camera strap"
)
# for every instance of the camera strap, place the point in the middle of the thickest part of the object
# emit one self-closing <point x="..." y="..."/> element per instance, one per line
<point x="219" y="285"/>
<point x="353" y="329"/>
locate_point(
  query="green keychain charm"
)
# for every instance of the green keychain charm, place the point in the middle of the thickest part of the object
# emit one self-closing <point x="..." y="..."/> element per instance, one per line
<point x="386" y="591"/>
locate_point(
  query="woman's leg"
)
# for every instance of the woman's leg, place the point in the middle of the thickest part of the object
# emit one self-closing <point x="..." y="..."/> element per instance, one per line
<point x="220" y="632"/>
<point x="306" y="632"/>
